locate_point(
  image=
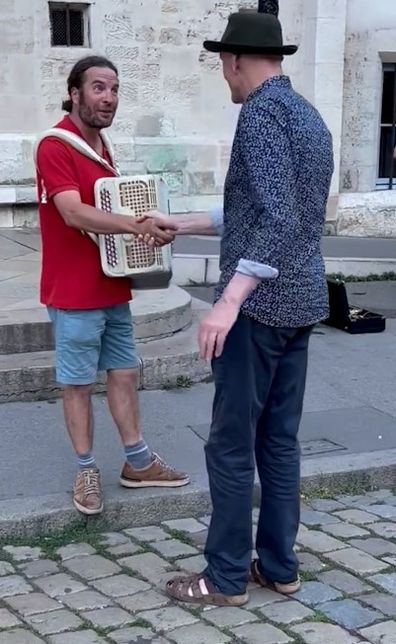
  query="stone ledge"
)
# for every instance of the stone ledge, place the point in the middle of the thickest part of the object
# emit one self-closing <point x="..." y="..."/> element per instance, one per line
<point x="156" y="314"/>
<point x="367" y="214"/>
<point x="164" y="364"/>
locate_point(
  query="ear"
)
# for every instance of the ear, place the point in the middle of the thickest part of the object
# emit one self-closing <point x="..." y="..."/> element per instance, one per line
<point x="75" y="96"/>
<point x="235" y="63"/>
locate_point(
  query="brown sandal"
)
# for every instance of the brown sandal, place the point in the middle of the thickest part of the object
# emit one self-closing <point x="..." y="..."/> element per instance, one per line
<point x="197" y="589"/>
<point x="283" y="589"/>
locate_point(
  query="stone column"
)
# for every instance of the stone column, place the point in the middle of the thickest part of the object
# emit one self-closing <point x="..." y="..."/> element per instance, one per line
<point x="323" y="49"/>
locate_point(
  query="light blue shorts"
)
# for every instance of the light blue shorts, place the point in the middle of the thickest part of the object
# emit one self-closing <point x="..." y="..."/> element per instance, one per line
<point x="88" y="341"/>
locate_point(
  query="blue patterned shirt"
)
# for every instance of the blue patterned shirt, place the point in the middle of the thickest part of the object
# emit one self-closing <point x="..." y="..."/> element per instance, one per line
<point x="275" y="198"/>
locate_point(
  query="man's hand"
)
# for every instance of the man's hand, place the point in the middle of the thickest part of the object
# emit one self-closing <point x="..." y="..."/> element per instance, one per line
<point x="155" y="229"/>
<point x="215" y="327"/>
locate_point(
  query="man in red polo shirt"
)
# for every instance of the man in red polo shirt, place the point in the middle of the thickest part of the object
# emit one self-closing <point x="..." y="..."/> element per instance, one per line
<point x="90" y="311"/>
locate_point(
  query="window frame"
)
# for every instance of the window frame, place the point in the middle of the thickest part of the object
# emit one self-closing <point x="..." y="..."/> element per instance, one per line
<point x="84" y="8"/>
<point x="385" y="183"/>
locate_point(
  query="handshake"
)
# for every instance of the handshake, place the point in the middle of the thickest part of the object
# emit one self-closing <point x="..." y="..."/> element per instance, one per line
<point x="155" y="229"/>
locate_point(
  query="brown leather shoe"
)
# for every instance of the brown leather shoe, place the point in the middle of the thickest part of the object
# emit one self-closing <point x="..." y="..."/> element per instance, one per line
<point x="158" y="474"/>
<point x="87" y="492"/>
<point x="283" y="589"/>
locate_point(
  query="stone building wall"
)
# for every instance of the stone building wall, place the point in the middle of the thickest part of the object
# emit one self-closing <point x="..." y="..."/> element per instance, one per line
<point x="175" y="115"/>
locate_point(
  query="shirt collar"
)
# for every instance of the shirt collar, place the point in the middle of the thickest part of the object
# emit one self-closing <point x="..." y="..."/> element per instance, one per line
<point x="274" y="81"/>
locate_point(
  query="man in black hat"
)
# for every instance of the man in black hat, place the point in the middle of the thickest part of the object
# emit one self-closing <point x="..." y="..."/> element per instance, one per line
<point x="272" y="291"/>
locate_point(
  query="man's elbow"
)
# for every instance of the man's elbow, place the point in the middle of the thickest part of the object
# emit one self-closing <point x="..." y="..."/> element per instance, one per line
<point x="70" y="216"/>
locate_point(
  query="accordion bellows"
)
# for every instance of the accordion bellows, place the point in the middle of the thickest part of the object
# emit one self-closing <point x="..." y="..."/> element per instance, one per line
<point x="122" y="255"/>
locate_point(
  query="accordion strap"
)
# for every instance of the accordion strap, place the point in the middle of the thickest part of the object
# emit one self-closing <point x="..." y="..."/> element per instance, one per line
<point x="81" y="146"/>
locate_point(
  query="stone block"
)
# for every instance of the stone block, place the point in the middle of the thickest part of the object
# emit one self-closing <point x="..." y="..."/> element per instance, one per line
<point x="75" y="550"/>
<point x="319" y="633"/>
<point x="185" y="525"/>
<point x="310" y="563"/>
<point x="385" y="511"/>
<point x="325" y="505"/>
<point x="32" y="603"/>
<point x="123" y="550"/>
<point x="86" y="600"/>
<point x="162" y="158"/>
<point x="39" y="568"/>
<point x="314" y="518"/>
<point x="59" y="585"/>
<point x="16" y="36"/>
<point x="192" y="564"/>
<point x="149" y="125"/>
<point x="344" y="582"/>
<point x="384" y="603"/>
<point x="167" y="619"/>
<point x="261" y="634"/>
<point x="228" y="616"/>
<point x="148" y="534"/>
<point x="314" y="592"/>
<point x="6" y="568"/>
<point x="19" y="636"/>
<point x="384" y="529"/>
<point x="148" y="565"/>
<point x="23" y="553"/>
<point x="319" y="541"/>
<point x="77" y="637"/>
<point x="13" y="585"/>
<point x="356" y="561"/>
<point x="202" y="183"/>
<point x="135" y="635"/>
<point x="120" y="585"/>
<point x="171" y="36"/>
<point x="383" y="633"/>
<point x="173" y="548"/>
<point x="356" y="516"/>
<point x="387" y="582"/>
<point x="143" y="601"/>
<point x="111" y="539"/>
<point x="286" y="612"/>
<point x="55" y="622"/>
<point x="350" y="613"/>
<point x="199" y="634"/>
<point x="345" y="530"/>
<point x="7" y="619"/>
<point x="259" y="597"/>
<point x="118" y="28"/>
<point x="111" y="617"/>
<point x="375" y="547"/>
<point x="92" y="567"/>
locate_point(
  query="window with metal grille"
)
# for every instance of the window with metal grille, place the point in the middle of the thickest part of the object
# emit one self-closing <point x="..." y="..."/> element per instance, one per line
<point x="69" y="24"/>
<point x="387" y="152"/>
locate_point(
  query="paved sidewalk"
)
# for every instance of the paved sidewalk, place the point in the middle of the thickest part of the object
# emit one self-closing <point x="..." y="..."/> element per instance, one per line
<point x="108" y="587"/>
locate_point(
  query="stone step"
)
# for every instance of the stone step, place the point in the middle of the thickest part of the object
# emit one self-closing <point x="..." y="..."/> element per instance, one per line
<point x="165" y="363"/>
<point x="156" y="314"/>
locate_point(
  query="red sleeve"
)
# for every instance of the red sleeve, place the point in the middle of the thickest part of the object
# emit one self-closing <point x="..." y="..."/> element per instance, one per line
<point x="56" y="167"/>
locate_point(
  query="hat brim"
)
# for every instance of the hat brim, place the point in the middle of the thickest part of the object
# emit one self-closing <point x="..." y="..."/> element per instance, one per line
<point x="217" y="47"/>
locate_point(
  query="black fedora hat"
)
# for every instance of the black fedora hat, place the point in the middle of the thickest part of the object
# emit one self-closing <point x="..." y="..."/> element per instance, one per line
<point x="252" y="32"/>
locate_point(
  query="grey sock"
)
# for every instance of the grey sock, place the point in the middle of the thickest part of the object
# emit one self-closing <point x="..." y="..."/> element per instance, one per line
<point x="138" y="455"/>
<point x="86" y="461"/>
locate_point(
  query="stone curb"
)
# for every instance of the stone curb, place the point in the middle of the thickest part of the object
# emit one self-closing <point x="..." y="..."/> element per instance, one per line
<point x="30" y="517"/>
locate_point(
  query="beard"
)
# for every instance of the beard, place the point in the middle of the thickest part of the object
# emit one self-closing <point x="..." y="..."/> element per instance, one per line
<point x="94" y="118"/>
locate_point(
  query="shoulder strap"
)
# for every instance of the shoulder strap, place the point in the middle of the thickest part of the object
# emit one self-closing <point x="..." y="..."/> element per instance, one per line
<point x="80" y="145"/>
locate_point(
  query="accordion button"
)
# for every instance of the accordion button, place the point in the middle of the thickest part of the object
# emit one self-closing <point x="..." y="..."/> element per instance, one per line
<point x="127" y="237"/>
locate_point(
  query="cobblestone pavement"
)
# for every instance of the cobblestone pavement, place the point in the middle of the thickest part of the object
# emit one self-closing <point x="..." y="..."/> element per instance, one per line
<point x="109" y="587"/>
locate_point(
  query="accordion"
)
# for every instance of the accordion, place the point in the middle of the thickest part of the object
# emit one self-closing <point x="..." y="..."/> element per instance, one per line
<point x="122" y="255"/>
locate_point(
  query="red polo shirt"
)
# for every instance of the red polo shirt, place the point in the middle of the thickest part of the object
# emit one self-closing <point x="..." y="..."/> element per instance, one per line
<point x="71" y="275"/>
